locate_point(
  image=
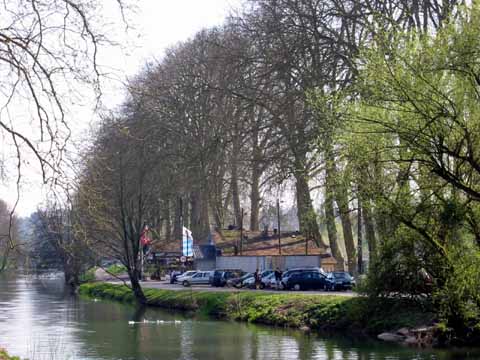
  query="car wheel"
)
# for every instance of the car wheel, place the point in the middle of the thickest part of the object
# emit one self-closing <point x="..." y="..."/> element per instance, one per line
<point x="297" y="287"/>
<point x="186" y="283"/>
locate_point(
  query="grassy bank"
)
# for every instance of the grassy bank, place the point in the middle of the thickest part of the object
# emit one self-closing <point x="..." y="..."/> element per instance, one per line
<point x="355" y="314"/>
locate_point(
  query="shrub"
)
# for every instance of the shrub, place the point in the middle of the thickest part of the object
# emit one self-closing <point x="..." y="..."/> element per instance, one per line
<point x="458" y="300"/>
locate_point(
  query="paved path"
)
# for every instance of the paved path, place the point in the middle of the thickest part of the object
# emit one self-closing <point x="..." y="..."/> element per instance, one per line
<point x="167" y="286"/>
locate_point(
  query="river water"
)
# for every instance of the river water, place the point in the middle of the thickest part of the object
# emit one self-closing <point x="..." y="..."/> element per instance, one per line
<point x="40" y="320"/>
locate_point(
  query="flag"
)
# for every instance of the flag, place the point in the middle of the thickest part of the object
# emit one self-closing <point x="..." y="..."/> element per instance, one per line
<point x="187" y="242"/>
<point x="144" y="238"/>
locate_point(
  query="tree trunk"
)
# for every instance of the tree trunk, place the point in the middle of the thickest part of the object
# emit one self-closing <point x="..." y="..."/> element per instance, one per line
<point x="167" y="221"/>
<point x="359" y="237"/>
<point x="369" y="231"/>
<point x="256" y="164"/>
<point x="255" y="198"/>
<point x="177" y="225"/>
<point x="204" y="218"/>
<point x="307" y="217"/>
<point x="332" y="229"/>
<point x="199" y="219"/>
<point x="137" y="288"/>
<point x="235" y="192"/>
<point x="342" y="202"/>
<point x="341" y="198"/>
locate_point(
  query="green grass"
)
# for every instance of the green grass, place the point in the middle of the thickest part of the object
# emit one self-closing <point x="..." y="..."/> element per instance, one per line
<point x="357" y="314"/>
<point x="116" y="269"/>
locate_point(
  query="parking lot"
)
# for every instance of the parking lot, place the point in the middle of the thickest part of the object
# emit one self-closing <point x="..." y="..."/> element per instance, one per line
<point x="167" y="286"/>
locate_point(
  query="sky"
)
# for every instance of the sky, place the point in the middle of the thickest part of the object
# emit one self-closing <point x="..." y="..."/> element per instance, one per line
<point x="154" y="25"/>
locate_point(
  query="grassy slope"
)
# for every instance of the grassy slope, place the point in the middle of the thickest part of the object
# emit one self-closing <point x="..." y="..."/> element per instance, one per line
<point x="357" y="314"/>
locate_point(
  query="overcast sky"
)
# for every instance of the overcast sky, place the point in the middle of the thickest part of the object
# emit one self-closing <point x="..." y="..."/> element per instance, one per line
<point x="157" y="24"/>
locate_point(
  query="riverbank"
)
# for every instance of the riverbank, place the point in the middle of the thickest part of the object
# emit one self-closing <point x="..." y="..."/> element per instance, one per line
<point x="355" y="315"/>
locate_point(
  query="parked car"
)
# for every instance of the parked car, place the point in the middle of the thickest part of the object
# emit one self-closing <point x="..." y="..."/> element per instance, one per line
<point x="287" y="274"/>
<point x="269" y="281"/>
<point x="199" y="278"/>
<point x="210" y="276"/>
<point x="249" y="283"/>
<point x="305" y="280"/>
<point x="221" y="276"/>
<point x="339" y="280"/>
<point x="238" y="282"/>
<point x="267" y="272"/>
<point x="189" y="273"/>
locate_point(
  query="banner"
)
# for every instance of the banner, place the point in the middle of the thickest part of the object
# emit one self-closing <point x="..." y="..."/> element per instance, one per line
<point x="187" y="242"/>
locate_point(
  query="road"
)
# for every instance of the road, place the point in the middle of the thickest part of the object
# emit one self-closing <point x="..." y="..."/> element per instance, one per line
<point x="165" y="285"/>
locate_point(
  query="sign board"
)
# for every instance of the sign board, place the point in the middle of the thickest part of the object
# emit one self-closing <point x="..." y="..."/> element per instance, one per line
<point x="187" y="242"/>
<point x="183" y="259"/>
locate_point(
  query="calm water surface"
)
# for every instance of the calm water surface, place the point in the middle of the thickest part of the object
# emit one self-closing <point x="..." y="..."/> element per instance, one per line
<point x="39" y="320"/>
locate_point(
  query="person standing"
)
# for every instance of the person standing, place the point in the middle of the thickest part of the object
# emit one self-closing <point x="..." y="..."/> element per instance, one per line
<point x="278" y="277"/>
<point x="258" y="279"/>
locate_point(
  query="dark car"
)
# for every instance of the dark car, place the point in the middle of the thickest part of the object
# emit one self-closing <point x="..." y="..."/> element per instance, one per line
<point x="220" y="277"/>
<point x="306" y="280"/>
<point x="340" y="280"/>
<point x="287" y="274"/>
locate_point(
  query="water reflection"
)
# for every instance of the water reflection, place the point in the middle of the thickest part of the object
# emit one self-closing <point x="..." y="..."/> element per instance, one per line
<point x="39" y="320"/>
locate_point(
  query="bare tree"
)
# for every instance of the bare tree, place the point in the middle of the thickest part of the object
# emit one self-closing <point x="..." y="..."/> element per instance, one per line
<point x="49" y="53"/>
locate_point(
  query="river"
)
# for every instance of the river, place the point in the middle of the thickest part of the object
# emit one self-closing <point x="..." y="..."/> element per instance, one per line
<point x="40" y="320"/>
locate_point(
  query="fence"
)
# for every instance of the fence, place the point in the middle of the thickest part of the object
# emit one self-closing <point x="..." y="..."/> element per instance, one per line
<point x="251" y="263"/>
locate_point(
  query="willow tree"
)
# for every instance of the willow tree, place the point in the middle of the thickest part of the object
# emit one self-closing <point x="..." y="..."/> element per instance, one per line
<point x="418" y="114"/>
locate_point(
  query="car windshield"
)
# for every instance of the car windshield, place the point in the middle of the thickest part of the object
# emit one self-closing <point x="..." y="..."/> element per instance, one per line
<point x="246" y="276"/>
<point x="189" y="273"/>
<point x="341" y="275"/>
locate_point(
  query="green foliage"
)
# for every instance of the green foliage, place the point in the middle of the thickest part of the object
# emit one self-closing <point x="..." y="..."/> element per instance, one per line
<point x="88" y="276"/>
<point x="458" y="301"/>
<point x="403" y="267"/>
<point x="116" y="269"/>
<point x="4" y="356"/>
<point x="408" y="134"/>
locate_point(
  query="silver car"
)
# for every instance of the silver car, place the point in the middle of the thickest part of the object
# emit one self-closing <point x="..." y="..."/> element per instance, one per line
<point x="200" y="278"/>
<point x="186" y="274"/>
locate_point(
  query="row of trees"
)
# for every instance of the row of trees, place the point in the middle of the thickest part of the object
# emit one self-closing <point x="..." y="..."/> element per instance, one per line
<point x="372" y="103"/>
<point x="239" y="110"/>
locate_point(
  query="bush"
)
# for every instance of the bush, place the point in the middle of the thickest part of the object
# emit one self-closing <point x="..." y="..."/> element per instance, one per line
<point x="401" y="268"/>
<point x="458" y="300"/>
<point x="88" y="276"/>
